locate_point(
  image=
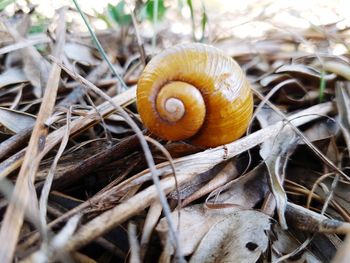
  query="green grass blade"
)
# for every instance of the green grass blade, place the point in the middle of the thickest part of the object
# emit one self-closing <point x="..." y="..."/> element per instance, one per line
<point x="204" y="21"/>
<point x="5" y="3"/>
<point x="189" y="3"/>
<point x="155" y="20"/>
<point x="322" y="86"/>
<point x="99" y="46"/>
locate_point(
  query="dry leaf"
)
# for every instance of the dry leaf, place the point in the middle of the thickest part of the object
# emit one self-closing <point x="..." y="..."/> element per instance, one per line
<point x="343" y="104"/>
<point x="338" y="68"/>
<point x="228" y="173"/>
<point x="275" y="153"/>
<point x="246" y="191"/>
<point x="240" y="237"/>
<point x="16" y="121"/>
<point x="321" y="130"/>
<point x="195" y="222"/>
<point x="12" y="76"/>
<point x="81" y="54"/>
<point x="272" y="79"/>
<point x="285" y="243"/>
<point x="14" y="215"/>
<point x="31" y="41"/>
<point x="304" y="70"/>
<point x="36" y="69"/>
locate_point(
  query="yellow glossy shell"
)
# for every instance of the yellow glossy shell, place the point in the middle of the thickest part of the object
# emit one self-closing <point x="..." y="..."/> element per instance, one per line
<point x="222" y="87"/>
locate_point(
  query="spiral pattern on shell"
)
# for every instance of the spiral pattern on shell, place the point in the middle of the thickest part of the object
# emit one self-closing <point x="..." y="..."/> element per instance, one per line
<point x="194" y="92"/>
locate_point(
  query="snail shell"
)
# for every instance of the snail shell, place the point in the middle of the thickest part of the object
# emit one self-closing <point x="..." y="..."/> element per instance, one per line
<point x="195" y="92"/>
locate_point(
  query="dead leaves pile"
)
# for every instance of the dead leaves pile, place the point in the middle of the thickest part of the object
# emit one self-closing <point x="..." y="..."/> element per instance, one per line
<point x="278" y="194"/>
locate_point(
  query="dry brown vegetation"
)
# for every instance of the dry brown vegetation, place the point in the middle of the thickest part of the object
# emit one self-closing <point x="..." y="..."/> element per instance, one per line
<point x="75" y="183"/>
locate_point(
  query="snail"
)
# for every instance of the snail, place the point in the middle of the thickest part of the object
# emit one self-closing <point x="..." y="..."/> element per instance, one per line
<point x="195" y="92"/>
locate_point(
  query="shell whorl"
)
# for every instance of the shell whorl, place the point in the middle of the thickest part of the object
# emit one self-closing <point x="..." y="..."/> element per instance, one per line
<point x="182" y="110"/>
<point x="195" y="92"/>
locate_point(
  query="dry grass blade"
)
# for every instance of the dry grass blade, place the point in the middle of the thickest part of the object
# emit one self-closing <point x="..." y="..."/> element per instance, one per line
<point x="148" y="156"/>
<point x="275" y="152"/>
<point x="134" y="245"/>
<point x="77" y="126"/>
<point x="227" y="174"/>
<point x="318" y="181"/>
<point x="99" y="197"/>
<point x="343" y="105"/>
<point x="111" y="190"/>
<point x="78" y="92"/>
<point x="16" y="121"/>
<point x="35" y="67"/>
<point x="326" y="160"/>
<point x="13" y="219"/>
<point x="49" y="179"/>
<point x="307" y="220"/>
<point x="339" y="68"/>
<point x="23" y="44"/>
<point x="99" y="46"/>
<point x="54" y="248"/>
<point x="139" y="39"/>
<point x="12" y="76"/>
<point x="151" y="221"/>
<point x="343" y="254"/>
<point x="186" y="168"/>
<point x="201" y="162"/>
<point x="239" y="237"/>
<point x="6" y="189"/>
<point x="13" y="143"/>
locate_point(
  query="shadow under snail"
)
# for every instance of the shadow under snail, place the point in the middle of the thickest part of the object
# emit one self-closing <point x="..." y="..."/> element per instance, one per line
<point x="194" y="92"/>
